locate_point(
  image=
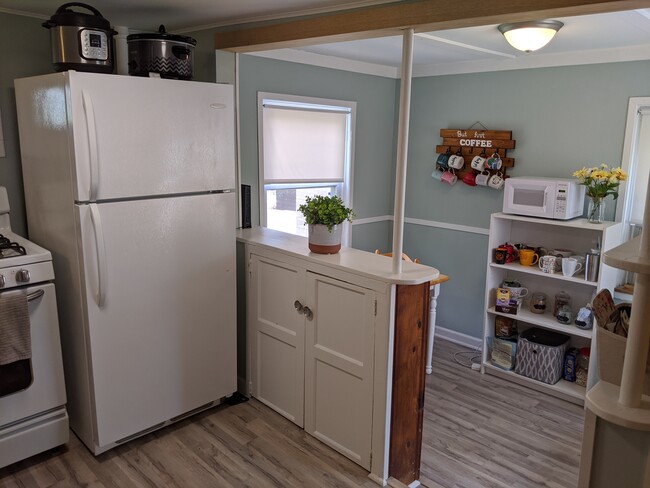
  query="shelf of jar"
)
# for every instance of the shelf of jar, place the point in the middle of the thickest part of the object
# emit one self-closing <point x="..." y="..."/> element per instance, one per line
<point x="546" y="321"/>
<point x="534" y="270"/>
<point x="563" y="389"/>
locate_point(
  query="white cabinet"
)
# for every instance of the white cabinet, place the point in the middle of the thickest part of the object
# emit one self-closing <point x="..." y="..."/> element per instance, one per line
<point x="577" y="235"/>
<point x="312" y="350"/>
<point x="337" y="344"/>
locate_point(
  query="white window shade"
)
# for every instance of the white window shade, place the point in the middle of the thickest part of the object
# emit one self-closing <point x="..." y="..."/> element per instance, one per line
<point x="303" y="146"/>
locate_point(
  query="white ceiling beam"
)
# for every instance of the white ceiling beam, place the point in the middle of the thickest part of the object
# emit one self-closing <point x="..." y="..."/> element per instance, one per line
<point x="431" y="37"/>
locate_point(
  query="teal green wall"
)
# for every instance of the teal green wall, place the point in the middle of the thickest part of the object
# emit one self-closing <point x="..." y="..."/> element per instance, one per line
<point x="562" y="118"/>
<point x="25" y="52"/>
<point x="374" y="151"/>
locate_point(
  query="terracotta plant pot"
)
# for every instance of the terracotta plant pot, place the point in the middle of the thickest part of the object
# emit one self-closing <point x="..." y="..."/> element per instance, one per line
<point x="322" y="241"/>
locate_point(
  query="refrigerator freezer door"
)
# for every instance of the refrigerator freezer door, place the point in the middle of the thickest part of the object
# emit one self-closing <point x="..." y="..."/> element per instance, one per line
<point x="164" y="340"/>
<point x="144" y="136"/>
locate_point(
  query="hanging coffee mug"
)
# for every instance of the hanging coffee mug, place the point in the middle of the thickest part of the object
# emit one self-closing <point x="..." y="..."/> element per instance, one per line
<point x="456" y="161"/>
<point x="478" y="163"/>
<point x="437" y="174"/>
<point x="449" y="177"/>
<point x="494" y="162"/>
<point x="482" y="178"/>
<point x="443" y="159"/>
<point x="469" y="179"/>
<point x="496" y="181"/>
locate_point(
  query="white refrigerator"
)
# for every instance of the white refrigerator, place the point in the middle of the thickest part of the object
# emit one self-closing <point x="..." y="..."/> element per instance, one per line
<point x="130" y="183"/>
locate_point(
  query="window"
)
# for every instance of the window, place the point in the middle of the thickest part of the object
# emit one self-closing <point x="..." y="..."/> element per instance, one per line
<point x="305" y="150"/>
<point x="636" y="161"/>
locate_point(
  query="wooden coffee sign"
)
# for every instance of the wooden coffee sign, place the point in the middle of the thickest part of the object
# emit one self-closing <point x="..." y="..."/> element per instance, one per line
<point x="469" y="143"/>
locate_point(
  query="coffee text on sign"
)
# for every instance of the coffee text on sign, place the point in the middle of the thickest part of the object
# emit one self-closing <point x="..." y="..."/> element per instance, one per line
<point x="476" y="142"/>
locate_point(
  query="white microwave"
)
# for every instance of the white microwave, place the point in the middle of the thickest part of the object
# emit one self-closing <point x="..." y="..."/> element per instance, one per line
<point x="550" y="198"/>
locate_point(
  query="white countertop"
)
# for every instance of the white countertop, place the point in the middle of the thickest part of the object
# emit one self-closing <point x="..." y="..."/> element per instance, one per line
<point x="347" y="259"/>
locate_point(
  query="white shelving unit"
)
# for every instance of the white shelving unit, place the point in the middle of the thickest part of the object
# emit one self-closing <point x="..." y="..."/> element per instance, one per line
<point x="577" y="235"/>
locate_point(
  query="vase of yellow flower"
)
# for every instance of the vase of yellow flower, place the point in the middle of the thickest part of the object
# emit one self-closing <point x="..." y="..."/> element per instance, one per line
<point x="596" y="210"/>
<point x="600" y="182"/>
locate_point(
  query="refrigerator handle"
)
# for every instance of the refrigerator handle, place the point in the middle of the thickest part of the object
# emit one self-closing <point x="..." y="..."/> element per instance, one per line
<point x="100" y="249"/>
<point x="93" y="156"/>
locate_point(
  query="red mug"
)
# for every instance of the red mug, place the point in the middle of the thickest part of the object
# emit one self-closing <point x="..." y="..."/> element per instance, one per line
<point x="469" y="179"/>
<point x="512" y="252"/>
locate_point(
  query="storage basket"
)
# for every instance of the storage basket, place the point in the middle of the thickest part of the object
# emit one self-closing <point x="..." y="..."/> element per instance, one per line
<point x="540" y="355"/>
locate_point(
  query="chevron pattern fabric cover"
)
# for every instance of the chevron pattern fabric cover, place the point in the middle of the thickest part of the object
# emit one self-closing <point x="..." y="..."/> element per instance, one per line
<point x="540" y="355"/>
<point x="167" y="67"/>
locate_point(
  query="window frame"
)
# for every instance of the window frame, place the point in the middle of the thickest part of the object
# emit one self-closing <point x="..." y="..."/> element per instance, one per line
<point x="638" y="108"/>
<point x="343" y="189"/>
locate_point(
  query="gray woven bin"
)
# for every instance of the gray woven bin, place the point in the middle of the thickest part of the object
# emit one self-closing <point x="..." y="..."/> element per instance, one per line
<point x="540" y="355"/>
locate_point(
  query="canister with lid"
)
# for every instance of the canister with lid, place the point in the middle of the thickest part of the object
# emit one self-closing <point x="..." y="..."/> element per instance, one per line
<point x="561" y="299"/>
<point x="538" y="302"/>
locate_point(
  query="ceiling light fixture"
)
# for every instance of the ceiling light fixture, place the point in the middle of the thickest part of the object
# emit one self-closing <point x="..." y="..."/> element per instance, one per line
<point x="530" y="36"/>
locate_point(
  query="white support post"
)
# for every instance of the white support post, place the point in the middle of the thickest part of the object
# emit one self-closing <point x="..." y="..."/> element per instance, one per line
<point x="636" y="348"/>
<point x="402" y="148"/>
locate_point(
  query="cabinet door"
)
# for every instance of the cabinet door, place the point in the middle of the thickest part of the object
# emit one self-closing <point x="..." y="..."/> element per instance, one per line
<point x="339" y="366"/>
<point x="278" y="337"/>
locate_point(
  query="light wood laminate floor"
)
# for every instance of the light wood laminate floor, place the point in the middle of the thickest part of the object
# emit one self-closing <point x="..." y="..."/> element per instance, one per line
<point x="479" y="431"/>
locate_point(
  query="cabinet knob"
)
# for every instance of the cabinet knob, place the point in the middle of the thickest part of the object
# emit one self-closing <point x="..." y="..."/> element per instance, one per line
<point x="308" y="313"/>
<point x="298" y="306"/>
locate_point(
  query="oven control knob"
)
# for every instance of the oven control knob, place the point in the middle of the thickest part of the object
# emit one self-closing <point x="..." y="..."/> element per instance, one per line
<point x="23" y="276"/>
<point x="2" y="281"/>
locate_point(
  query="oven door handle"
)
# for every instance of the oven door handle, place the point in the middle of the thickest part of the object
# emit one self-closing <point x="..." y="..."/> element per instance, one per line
<point x="100" y="249"/>
<point x="35" y="294"/>
<point x="93" y="152"/>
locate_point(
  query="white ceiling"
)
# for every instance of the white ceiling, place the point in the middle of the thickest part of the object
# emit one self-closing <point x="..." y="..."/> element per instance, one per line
<point x="185" y="14"/>
<point x="618" y="36"/>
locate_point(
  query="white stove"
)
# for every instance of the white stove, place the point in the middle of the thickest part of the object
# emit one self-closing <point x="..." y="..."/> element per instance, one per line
<point x="33" y="415"/>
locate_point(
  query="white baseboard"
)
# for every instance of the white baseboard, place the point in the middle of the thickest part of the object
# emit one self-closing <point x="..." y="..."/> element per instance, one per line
<point x="458" y="338"/>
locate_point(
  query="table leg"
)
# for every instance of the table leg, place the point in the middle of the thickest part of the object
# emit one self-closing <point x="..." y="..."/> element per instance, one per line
<point x="433" y="304"/>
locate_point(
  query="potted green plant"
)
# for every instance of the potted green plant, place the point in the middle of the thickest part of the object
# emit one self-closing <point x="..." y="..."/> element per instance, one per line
<point x="324" y="216"/>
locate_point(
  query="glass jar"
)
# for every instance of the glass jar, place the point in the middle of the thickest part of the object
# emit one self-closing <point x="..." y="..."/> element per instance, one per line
<point x="562" y="298"/>
<point x="564" y="314"/>
<point x="538" y="302"/>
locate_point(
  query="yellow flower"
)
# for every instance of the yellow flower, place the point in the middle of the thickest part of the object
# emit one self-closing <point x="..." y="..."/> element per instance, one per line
<point x="620" y="174"/>
<point x="600" y="175"/>
<point x="582" y="173"/>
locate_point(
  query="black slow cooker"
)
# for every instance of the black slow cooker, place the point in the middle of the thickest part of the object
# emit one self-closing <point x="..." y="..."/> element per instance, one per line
<point x="80" y="41"/>
<point x="172" y="56"/>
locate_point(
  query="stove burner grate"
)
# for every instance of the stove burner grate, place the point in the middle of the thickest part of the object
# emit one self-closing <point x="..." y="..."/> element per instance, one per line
<point x="9" y="249"/>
